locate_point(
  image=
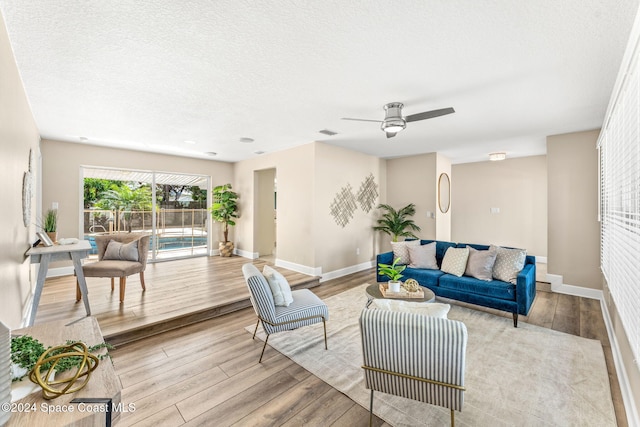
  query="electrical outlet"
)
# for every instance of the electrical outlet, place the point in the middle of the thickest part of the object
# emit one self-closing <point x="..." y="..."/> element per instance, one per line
<point x="357" y="251"/>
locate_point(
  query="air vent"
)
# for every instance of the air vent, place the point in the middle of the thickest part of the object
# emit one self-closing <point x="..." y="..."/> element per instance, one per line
<point x="211" y="153"/>
<point x="258" y="152"/>
<point x="328" y="132"/>
<point x="246" y="140"/>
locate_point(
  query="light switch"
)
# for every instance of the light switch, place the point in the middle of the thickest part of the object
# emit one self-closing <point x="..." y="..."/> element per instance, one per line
<point x="54" y="205"/>
<point x="495" y="210"/>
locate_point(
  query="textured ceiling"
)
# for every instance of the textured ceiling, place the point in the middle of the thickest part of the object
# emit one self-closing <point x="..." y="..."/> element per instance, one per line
<point x="150" y="75"/>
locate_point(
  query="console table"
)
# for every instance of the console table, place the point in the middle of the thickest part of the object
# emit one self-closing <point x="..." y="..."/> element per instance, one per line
<point x="46" y="254"/>
<point x="86" y="407"/>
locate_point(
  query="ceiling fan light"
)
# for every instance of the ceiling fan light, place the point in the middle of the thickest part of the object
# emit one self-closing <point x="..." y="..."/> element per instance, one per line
<point x="494" y="157"/>
<point x="393" y="125"/>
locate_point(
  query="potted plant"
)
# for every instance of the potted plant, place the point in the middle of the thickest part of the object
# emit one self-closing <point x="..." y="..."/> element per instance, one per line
<point x="396" y="223"/>
<point x="225" y="211"/>
<point x="394" y="273"/>
<point x="50" y="224"/>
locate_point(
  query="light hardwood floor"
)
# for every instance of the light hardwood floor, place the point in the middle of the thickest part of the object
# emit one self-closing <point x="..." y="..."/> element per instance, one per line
<point x="206" y="373"/>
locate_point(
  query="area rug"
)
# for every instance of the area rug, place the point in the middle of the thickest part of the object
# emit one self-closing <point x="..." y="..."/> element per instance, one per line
<point x="525" y="376"/>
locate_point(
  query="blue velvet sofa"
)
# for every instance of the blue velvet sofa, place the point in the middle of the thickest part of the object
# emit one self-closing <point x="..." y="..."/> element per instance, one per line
<point x="515" y="299"/>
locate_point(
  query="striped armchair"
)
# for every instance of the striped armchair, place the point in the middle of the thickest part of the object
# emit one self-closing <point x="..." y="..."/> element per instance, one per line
<point x="306" y="308"/>
<point x="414" y="356"/>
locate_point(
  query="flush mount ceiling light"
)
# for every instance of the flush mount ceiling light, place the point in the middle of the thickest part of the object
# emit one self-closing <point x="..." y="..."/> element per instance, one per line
<point x="393" y="121"/>
<point x="84" y="139"/>
<point x="246" y="140"/>
<point x="328" y="132"/>
<point x="211" y="153"/>
<point x="494" y="157"/>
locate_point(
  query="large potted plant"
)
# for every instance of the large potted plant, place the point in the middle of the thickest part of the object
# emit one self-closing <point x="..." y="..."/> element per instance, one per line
<point x="397" y="223"/>
<point x="225" y="211"/>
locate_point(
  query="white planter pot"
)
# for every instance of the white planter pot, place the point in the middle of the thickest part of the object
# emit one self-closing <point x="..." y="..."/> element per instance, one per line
<point x="394" y="286"/>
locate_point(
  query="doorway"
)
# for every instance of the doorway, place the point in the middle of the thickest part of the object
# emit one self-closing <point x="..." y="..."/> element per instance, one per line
<point x="265" y="213"/>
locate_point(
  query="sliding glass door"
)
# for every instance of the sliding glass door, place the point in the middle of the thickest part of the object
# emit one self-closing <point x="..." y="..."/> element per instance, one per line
<point x="171" y="207"/>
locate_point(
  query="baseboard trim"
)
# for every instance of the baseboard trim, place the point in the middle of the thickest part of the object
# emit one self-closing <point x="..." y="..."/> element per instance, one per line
<point x="633" y="419"/>
<point x="346" y="271"/>
<point x="246" y="254"/>
<point x="311" y="271"/>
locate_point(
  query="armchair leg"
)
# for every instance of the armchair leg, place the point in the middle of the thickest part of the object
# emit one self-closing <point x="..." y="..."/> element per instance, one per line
<point x="324" y="323"/>
<point x="255" y="330"/>
<point x="263" y="347"/>
<point x="371" y="410"/>
<point x="144" y="288"/>
<point x="123" y="284"/>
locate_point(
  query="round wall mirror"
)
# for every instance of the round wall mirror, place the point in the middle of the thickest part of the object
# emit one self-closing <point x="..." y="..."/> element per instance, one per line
<point x="444" y="193"/>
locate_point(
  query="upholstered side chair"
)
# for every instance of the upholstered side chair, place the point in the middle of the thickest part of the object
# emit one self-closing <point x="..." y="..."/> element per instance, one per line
<point x="118" y="266"/>
<point x="306" y="308"/>
<point x="414" y="356"/>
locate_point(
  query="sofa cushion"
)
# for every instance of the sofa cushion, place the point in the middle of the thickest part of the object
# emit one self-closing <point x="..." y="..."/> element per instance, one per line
<point x="480" y="263"/>
<point x="423" y="256"/>
<point x="441" y="248"/>
<point x="508" y="264"/>
<point x="121" y="251"/>
<point x="494" y="288"/>
<point x="455" y="261"/>
<point x="426" y="277"/>
<point x="401" y="250"/>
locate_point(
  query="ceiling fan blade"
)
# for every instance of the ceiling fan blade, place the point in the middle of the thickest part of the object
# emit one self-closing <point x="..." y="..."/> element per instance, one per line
<point x="429" y="114"/>
<point x="361" y="120"/>
<point x="391" y="134"/>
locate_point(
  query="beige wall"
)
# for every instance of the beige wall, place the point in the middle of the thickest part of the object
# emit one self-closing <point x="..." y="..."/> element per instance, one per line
<point x="308" y="177"/>
<point x="340" y="247"/>
<point x="264" y="221"/>
<point x="294" y="172"/>
<point x="414" y="180"/>
<point x="574" y="230"/>
<point x="62" y="181"/>
<point x="518" y="187"/>
<point x="18" y="135"/>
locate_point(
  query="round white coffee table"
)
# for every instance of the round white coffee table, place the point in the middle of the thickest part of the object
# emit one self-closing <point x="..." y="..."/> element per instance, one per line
<point x="373" y="292"/>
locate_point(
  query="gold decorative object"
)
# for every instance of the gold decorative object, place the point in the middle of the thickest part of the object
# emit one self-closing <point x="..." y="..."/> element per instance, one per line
<point x="52" y="388"/>
<point x="411" y="285"/>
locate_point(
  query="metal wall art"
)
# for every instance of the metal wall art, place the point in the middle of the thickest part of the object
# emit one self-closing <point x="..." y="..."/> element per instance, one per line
<point x="344" y="203"/>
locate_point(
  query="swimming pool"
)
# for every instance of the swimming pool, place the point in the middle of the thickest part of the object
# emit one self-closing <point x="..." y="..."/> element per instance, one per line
<point x="165" y="243"/>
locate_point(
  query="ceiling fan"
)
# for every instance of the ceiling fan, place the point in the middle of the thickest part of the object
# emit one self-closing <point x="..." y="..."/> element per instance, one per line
<point x="394" y="122"/>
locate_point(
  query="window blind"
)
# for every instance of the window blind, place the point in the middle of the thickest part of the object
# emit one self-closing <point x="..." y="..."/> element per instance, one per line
<point x="619" y="154"/>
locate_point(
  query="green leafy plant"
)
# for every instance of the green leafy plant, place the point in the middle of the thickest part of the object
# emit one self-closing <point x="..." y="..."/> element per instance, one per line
<point x="25" y="351"/>
<point x="225" y="207"/>
<point x="50" y="221"/>
<point x="396" y="223"/>
<point x="393" y="271"/>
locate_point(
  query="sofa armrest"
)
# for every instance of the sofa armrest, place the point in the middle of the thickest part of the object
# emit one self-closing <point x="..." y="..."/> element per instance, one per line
<point x="385" y="258"/>
<point x="526" y="288"/>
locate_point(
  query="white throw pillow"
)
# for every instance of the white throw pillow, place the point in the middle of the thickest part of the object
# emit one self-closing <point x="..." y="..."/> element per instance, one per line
<point x="423" y="256"/>
<point x="455" y="261"/>
<point x="280" y="288"/>
<point x="508" y="264"/>
<point x="434" y="309"/>
<point x="401" y="250"/>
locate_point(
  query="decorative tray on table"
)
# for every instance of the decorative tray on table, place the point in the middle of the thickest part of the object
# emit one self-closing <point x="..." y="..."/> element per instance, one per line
<point x="384" y="289"/>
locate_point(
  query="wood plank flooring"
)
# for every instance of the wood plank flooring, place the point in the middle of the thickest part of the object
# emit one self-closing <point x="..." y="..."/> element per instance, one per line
<point x="207" y="373"/>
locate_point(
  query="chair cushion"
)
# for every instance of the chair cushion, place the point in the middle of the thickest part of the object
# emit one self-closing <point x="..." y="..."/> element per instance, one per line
<point x="434" y="309"/>
<point x="305" y="304"/>
<point x="279" y="285"/>
<point x="121" y="251"/>
<point x="112" y="268"/>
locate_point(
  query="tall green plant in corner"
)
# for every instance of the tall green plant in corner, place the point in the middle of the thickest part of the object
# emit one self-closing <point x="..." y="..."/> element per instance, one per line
<point x="397" y="223"/>
<point x="225" y="210"/>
